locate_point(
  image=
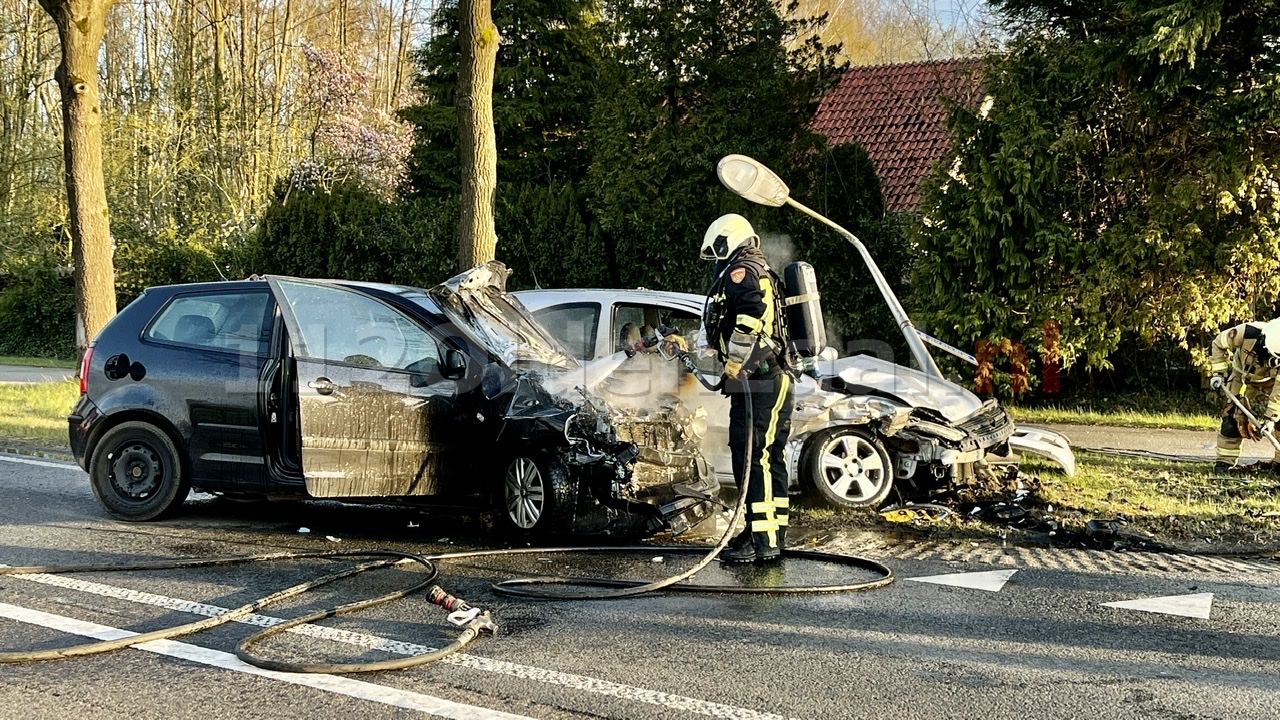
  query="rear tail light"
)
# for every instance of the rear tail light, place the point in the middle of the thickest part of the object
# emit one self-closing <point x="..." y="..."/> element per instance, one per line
<point x="84" y="369"/>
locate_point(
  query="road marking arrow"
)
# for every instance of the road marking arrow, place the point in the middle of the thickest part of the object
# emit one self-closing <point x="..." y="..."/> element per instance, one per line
<point x="991" y="580"/>
<point x="1197" y="605"/>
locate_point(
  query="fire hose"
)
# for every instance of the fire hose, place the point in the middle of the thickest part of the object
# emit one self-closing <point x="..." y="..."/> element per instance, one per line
<point x="1252" y="419"/>
<point x="473" y="621"/>
<point x="627" y="588"/>
<point x="474" y="625"/>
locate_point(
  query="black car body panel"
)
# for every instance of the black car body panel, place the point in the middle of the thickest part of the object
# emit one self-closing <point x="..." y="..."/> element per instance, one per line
<point x="334" y="389"/>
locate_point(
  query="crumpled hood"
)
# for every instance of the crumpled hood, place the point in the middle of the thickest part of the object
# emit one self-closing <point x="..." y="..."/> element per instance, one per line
<point x="478" y="300"/>
<point x="911" y="386"/>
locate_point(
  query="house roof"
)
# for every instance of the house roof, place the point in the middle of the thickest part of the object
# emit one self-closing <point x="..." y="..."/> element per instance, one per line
<point x="896" y="112"/>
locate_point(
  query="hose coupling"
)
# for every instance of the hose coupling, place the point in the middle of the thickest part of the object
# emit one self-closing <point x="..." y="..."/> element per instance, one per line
<point x="437" y="596"/>
<point x="460" y="612"/>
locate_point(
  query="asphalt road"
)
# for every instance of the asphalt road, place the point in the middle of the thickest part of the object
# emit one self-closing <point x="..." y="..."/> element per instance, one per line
<point x="1034" y="636"/>
<point x="1164" y="441"/>
<point x="29" y="374"/>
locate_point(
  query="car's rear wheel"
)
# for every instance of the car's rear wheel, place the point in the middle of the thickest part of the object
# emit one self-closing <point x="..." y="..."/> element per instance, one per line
<point x="136" y="472"/>
<point x="533" y="495"/>
<point x="848" y="468"/>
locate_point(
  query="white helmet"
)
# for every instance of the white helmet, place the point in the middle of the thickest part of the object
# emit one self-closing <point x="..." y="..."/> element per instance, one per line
<point x="1267" y="348"/>
<point x="725" y="236"/>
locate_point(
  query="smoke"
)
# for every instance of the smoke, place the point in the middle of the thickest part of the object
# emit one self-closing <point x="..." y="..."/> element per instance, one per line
<point x="641" y="382"/>
<point x="778" y="249"/>
<point x="835" y="332"/>
<point x="636" y="383"/>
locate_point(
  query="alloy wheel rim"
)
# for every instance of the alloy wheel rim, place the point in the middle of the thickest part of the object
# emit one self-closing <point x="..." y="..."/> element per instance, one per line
<point x="525" y="493"/>
<point x="852" y="468"/>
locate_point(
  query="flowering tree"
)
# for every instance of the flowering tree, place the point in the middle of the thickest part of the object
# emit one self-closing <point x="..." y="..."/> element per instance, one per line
<point x="350" y="139"/>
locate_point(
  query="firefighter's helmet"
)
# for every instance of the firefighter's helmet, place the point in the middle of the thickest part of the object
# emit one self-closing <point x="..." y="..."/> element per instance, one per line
<point x="725" y="236"/>
<point x="1267" y="348"/>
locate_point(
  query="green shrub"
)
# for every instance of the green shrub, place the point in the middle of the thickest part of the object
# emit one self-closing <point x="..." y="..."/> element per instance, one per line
<point x="164" y="258"/>
<point x="349" y="233"/>
<point x="37" y="306"/>
<point x="548" y="238"/>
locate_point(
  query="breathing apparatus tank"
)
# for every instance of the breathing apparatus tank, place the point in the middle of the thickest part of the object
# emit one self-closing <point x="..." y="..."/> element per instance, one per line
<point x="808" y="333"/>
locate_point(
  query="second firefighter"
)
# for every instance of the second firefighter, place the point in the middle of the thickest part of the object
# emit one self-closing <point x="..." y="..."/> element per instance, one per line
<point x="1245" y="359"/>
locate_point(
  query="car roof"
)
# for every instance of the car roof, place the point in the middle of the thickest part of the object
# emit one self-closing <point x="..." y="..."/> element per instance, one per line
<point x="255" y="280"/>
<point x="543" y="297"/>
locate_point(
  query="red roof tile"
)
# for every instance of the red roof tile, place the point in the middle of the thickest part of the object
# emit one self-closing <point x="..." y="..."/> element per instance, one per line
<point x="896" y="112"/>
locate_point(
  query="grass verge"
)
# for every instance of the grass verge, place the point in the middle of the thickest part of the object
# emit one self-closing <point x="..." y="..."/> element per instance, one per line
<point x="1180" y="503"/>
<point x="1151" y="504"/>
<point x="1123" y="418"/>
<point x="1184" y="409"/>
<point x="37" y="412"/>
<point x="35" y="361"/>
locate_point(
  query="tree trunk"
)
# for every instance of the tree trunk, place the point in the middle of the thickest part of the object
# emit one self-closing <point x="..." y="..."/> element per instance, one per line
<point x="81" y="24"/>
<point x="477" y="240"/>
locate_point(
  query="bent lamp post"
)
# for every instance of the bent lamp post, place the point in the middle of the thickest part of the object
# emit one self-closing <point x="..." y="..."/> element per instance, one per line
<point x="757" y="183"/>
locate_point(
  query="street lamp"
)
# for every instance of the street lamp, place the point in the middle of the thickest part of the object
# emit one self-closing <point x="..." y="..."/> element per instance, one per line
<point x="757" y="183"/>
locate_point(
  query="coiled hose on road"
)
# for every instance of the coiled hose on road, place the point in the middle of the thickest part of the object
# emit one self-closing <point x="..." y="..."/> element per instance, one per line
<point x="474" y="627"/>
<point x="474" y="621"/>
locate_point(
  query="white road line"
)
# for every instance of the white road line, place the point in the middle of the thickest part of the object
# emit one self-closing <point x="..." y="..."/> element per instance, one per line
<point x="41" y="463"/>
<point x="214" y="658"/>
<point x="580" y="683"/>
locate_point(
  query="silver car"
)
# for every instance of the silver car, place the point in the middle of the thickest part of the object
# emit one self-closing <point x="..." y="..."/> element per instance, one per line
<point x="863" y="427"/>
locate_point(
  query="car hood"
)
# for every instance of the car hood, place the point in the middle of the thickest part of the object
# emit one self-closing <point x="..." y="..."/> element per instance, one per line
<point x="477" y="299"/>
<point x="866" y="373"/>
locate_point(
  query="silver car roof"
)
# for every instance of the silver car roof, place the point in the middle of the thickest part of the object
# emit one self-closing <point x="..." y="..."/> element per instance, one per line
<point x="540" y="298"/>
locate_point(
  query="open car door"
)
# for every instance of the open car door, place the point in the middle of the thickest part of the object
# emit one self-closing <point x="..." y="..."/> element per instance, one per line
<point x="378" y="395"/>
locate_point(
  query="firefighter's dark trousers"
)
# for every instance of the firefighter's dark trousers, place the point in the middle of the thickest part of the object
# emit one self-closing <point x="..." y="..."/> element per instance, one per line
<point x="768" y="507"/>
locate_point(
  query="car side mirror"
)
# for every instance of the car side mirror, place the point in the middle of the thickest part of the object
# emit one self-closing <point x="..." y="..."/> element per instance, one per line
<point x="455" y="364"/>
<point x="495" y="380"/>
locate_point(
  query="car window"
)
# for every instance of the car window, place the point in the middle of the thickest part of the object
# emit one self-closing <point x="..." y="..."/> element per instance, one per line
<point x="234" y="321"/>
<point x="574" y="326"/>
<point x="633" y="322"/>
<point x="344" y="326"/>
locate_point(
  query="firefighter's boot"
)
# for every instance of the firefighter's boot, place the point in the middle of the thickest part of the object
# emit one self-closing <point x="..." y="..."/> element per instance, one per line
<point x="766" y="551"/>
<point x="741" y="549"/>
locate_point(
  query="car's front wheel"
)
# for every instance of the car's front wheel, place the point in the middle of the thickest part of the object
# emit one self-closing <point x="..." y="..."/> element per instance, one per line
<point x="533" y="494"/>
<point x="136" y="472"/>
<point x="848" y="468"/>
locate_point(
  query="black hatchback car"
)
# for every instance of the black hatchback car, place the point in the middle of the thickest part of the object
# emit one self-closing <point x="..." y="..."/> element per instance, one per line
<point x="279" y="386"/>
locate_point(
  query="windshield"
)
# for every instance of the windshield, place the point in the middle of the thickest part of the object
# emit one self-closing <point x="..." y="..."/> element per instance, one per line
<point x="477" y="299"/>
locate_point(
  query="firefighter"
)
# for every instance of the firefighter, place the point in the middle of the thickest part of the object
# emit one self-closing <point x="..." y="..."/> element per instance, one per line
<point x="1241" y="359"/>
<point x="744" y="325"/>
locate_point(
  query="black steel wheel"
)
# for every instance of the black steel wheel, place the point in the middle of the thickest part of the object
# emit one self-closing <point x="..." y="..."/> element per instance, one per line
<point x="136" y="473"/>
<point x="847" y="468"/>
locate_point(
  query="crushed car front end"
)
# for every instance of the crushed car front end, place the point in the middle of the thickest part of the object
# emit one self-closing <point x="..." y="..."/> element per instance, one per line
<point x="939" y="436"/>
<point x="626" y="473"/>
